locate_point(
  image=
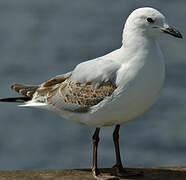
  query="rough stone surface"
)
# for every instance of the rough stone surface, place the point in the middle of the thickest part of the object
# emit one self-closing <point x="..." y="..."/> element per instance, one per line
<point x="150" y="173"/>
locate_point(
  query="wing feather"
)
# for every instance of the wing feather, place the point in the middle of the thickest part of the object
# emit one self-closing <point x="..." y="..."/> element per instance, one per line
<point x="71" y="96"/>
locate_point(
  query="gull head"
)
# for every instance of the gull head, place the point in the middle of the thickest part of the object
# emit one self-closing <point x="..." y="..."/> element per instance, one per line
<point x="148" y="22"/>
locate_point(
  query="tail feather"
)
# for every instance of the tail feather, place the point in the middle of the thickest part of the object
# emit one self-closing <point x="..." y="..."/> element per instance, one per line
<point x="16" y="99"/>
<point x="25" y="90"/>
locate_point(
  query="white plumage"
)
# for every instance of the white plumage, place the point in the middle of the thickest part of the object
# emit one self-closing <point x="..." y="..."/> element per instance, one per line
<point x="112" y="89"/>
<point x="135" y="71"/>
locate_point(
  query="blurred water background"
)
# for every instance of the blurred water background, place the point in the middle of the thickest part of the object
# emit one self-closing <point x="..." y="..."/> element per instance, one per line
<point x="43" y="38"/>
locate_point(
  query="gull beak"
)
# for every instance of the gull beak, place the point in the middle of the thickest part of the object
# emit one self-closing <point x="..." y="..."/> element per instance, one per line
<point x="172" y="31"/>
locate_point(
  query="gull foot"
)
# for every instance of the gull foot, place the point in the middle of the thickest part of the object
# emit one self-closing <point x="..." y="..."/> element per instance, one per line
<point x="121" y="172"/>
<point x="106" y="177"/>
<point x="102" y="176"/>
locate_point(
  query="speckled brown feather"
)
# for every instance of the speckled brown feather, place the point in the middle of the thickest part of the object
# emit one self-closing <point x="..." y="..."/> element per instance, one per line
<point x="63" y="93"/>
<point x="56" y="80"/>
<point x="29" y="90"/>
<point x="26" y="90"/>
<point x="72" y="93"/>
<point x="85" y="94"/>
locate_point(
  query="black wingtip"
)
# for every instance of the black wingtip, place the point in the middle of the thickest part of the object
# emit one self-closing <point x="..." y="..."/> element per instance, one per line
<point x="16" y="99"/>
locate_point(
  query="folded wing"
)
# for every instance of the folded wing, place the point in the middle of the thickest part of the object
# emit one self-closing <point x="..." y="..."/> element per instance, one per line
<point x="71" y="96"/>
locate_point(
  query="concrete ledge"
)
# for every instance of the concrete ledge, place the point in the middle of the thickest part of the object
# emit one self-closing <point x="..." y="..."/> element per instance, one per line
<point x="150" y="173"/>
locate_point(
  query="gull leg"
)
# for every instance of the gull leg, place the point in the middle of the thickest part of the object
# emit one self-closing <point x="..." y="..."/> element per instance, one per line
<point x="95" y="171"/>
<point x="120" y="171"/>
<point x="95" y="141"/>
<point x="118" y="165"/>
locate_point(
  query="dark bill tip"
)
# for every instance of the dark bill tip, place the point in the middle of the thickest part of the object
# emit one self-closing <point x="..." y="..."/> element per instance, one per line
<point x="172" y="31"/>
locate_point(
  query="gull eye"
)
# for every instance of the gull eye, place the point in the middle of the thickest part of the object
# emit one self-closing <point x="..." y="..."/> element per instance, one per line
<point x="150" y="20"/>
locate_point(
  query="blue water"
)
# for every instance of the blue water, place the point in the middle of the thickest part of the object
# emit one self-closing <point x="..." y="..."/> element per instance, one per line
<point x="43" y="38"/>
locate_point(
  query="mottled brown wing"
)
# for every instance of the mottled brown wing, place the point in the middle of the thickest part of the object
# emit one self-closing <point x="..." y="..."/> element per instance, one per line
<point x="74" y="96"/>
<point x="56" y="80"/>
<point x="29" y="90"/>
<point x="25" y="90"/>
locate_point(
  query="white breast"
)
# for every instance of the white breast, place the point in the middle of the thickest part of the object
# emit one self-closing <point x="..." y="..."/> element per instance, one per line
<point x="140" y="82"/>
